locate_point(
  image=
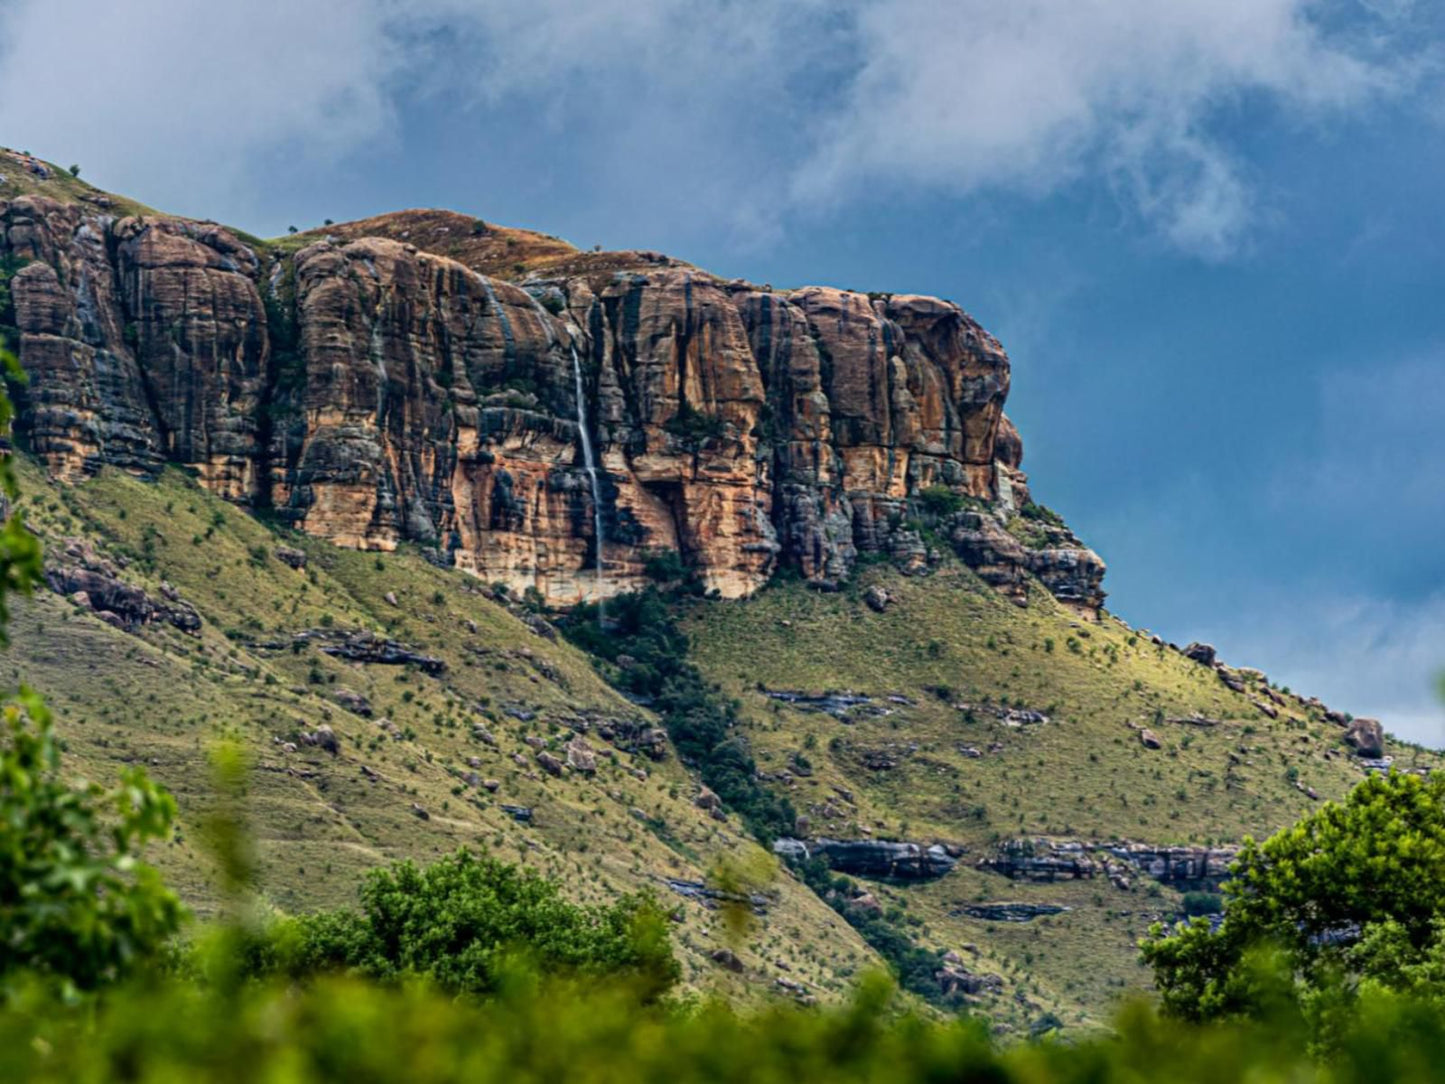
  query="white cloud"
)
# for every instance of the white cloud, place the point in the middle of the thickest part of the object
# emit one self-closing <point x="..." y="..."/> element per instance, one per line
<point x="1033" y="94"/>
<point x="177" y="99"/>
<point x="755" y="106"/>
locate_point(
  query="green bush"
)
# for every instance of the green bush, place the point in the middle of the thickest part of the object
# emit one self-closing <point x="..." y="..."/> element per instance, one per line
<point x="1203" y="903"/>
<point x="1041" y="514"/>
<point x="695" y="427"/>
<point x="940" y="501"/>
<point x="665" y="567"/>
<point x="459" y="921"/>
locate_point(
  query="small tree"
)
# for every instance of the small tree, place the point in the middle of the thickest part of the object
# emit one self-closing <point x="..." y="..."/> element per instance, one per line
<point x="76" y="903"/>
<point x="459" y="921"/>
<point x="940" y="501"/>
<point x="1351" y="897"/>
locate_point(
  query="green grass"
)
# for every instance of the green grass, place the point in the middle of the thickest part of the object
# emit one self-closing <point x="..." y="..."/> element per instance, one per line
<point x="161" y="698"/>
<point x="948" y="639"/>
<point x="60" y="185"/>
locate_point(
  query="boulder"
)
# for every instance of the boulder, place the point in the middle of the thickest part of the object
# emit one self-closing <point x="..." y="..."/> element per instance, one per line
<point x="726" y="959"/>
<point x="1010" y="912"/>
<point x="290" y="556"/>
<point x="867" y="902"/>
<point x="710" y="803"/>
<point x="877" y="599"/>
<point x="581" y="757"/>
<point x="1231" y="681"/>
<point x="872" y="857"/>
<point x="353" y="702"/>
<point x="1039" y="860"/>
<point x="372" y="649"/>
<point x="1201" y="653"/>
<point x="1266" y="709"/>
<point x="1149" y="740"/>
<point x="955" y="979"/>
<point x="550" y="763"/>
<point x="76" y="570"/>
<point x="324" y="738"/>
<point x="1366" y="737"/>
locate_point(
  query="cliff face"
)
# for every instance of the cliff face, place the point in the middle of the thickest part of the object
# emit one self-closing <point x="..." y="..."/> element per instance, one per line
<point x="372" y="388"/>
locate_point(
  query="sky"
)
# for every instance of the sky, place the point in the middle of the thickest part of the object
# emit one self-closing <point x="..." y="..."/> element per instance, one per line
<point x="1210" y="233"/>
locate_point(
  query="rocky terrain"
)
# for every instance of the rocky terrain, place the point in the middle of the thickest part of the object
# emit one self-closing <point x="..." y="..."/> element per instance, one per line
<point x="389" y="382"/>
<point x="332" y="494"/>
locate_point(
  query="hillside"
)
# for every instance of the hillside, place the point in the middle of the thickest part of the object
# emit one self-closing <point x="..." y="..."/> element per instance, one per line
<point x="338" y="495"/>
<point x="1012" y="736"/>
<point x="423" y="762"/>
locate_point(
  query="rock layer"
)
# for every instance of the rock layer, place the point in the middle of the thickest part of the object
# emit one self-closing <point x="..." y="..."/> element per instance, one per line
<point x="872" y="857"/>
<point x="372" y="392"/>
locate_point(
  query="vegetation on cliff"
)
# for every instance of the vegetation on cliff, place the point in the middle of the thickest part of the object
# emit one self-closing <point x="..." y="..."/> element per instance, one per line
<point x="647" y="655"/>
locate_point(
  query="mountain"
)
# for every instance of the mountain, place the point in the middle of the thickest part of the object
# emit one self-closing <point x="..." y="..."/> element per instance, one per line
<point x="422" y="377"/>
<point x="334" y="495"/>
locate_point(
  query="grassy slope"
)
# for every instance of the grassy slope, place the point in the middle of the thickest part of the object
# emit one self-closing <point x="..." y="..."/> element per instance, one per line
<point x="60" y="185"/>
<point x="1082" y="775"/>
<point x="162" y="697"/>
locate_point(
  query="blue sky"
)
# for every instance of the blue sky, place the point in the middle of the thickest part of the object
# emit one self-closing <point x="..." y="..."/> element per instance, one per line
<point x="1209" y="232"/>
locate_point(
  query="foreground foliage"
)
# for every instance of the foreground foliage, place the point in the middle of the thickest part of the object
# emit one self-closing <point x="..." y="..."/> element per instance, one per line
<point x="338" y="1030"/>
<point x="76" y="903"/>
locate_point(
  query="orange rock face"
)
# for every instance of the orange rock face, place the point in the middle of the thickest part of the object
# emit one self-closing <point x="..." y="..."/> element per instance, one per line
<point x="370" y="391"/>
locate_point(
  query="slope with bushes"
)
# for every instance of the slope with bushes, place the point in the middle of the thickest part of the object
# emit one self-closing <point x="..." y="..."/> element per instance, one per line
<point x="357" y="763"/>
<point x="974" y="723"/>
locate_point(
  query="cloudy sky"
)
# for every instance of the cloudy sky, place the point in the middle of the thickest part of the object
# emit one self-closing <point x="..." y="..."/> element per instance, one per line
<point x="1210" y="232"/>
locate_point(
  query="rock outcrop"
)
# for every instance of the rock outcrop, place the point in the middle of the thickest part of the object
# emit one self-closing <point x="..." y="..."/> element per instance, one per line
<point x="370" y="392"/>
<point x="97" y="584"/>
<point x="872" y="857"/>
<point x="1366" y="737"/>
<point x="1049" y="860"/>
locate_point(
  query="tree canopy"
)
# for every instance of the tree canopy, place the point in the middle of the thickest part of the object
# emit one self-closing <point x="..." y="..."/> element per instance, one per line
<point x="460" y="921"/>
<point x="1350" y="898"/>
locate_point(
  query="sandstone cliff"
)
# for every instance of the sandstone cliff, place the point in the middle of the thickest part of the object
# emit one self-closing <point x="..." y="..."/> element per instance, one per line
<point x="416" y="378"/>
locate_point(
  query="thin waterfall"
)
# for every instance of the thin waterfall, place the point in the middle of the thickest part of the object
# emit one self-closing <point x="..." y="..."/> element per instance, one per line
<point x="590" y="461"/>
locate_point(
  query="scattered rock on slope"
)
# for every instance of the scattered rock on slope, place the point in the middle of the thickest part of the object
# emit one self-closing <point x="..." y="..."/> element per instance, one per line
<point x="1366" y="737"/>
